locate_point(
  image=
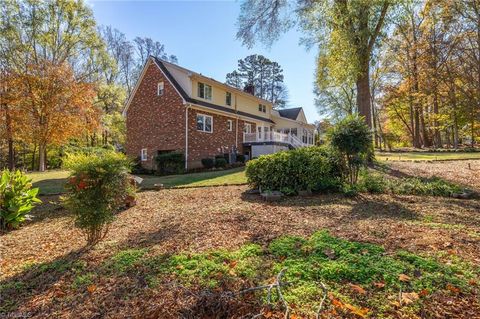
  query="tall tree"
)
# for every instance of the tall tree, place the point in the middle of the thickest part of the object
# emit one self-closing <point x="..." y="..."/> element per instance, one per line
<point x="49" y="34"/>
<point x="58" y="106"/>
<point x="345" y="30"/>
<point x="264" y="75"/>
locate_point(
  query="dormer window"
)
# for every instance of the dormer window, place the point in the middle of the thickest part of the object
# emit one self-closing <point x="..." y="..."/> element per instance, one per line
<point x="262" y="108"/>
<point x="204" y="91"/>
<point x="228" y="98"/>
<point x="160" y="89"/>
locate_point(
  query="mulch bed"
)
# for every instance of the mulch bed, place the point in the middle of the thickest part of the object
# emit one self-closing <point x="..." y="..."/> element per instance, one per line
<point x="178" y="220"/>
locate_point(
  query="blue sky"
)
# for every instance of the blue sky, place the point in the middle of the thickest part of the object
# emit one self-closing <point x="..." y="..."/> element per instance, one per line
<point x="202" y="36"/>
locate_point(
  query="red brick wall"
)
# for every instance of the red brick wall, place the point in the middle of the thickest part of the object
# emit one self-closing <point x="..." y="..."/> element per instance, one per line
<point x="155" y="122"/>
<point x="158" y="123"/>
<point x="204" y="144"/>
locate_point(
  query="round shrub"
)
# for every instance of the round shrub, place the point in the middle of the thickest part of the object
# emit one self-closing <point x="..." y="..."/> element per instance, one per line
<point x="170" y="163"/>
<point x="220" y="162"/>
<point x="312" y="168"/>
<point x="208" y="162"/>
<point x="97" y="188"/>
<point x="17" y="198"/>
<point x="352" y="139"/>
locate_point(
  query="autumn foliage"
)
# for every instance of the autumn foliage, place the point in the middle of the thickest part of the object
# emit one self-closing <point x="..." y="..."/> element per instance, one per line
<point x="57" y="106"/>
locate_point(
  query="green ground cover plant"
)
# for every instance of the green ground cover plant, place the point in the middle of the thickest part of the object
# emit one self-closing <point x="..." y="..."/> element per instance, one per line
<point x="360" y="277"/>
<point x="373" y="181"/>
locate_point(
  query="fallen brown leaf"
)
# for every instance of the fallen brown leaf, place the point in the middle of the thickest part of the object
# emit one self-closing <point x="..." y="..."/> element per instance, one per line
<point x="409" y="297"/>
<point x="358" y="289"/>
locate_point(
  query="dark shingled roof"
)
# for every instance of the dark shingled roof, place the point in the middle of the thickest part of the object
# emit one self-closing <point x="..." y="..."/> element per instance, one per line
<point x="202" y="103"/>
<point x="290" y="113"/>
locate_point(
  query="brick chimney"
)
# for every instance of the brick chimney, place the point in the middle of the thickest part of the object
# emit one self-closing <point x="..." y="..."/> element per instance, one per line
<point x="249" y="88"/>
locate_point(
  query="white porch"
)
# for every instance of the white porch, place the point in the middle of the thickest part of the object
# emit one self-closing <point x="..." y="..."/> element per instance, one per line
<point x="272" y="136"/>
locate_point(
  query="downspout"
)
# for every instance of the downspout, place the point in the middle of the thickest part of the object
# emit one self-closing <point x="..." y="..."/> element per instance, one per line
<point x="186" y="136"/>
<point x="236" y="123"/>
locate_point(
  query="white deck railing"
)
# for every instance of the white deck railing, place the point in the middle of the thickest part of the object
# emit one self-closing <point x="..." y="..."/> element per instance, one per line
<point x="272" y="136"/>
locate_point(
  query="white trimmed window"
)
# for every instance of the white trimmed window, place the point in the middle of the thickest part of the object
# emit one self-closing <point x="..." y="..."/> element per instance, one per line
<point x="228" y="98"/>
<point x="144" y="154"/>
<point x="247" y="128"/>
<point x="262" y="108"/>
<point x="204" y="91"/>
<point x="230" y="125"/>
<point x="204" y="123"/>
<point x="160" y="89"/>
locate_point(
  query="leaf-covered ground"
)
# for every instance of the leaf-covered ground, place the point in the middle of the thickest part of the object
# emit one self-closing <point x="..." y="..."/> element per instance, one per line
<point x="179" y="251"/>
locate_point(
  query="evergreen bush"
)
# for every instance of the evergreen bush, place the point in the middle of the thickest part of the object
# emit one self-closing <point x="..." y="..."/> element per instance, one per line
<point x="97" y="188"/>
<point x="312" y="168"/>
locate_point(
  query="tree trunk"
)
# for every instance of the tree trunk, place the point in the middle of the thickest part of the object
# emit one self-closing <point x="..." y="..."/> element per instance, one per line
<point x="416" y="112"/>
<point x="11" y="155"/>
<point x="363" y="94"/>
<point x="33" y="156"/>
<point x="412" y="120"/>
<point x="455" y="118"/>
<point x="41" y="157"/>
<point x="473" y="128"/>
<point x="425" y="137"/>
<point x="437" y="139"/>
<point x="447" y="138"/>
<point x="11" y="150"/>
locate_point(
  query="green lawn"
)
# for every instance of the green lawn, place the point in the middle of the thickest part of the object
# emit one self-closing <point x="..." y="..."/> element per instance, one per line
<point x="233" y="176"/>
<point x="426" y="156"/>
<point x="52" y="182"/>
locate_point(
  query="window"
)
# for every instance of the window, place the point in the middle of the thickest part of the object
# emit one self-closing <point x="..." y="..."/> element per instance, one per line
<point x="293" y="131"/>
<point x="160" y="88"/>
<point x="310" y="138"/>
<point x="247" y="128"/>
<point x="228" y="98"/>
<point x="304" y="136"/>
<point x="204" y="91"/>
<point x="229" y="125"/>
<point x="204" y="123"/>
<point x="262" y="108"/>
<point x="143" y="154"/>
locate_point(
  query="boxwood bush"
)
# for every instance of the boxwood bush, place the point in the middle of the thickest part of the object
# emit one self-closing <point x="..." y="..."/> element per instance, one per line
<point x="220" y="162"/>
<point x="208" y="162"/>
<point x="312" y="168"/>
<point x="170" y="163"/>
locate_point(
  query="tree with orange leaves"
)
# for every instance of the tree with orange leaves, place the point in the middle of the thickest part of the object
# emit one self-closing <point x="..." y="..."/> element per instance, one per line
<point x="57" y="106"/>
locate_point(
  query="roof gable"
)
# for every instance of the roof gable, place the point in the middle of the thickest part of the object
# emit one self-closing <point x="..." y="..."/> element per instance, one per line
<point x="291" y="114"/>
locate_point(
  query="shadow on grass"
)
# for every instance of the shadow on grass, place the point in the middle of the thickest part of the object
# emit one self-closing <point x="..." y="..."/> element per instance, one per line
<point x="369" y="209"/>
<point x="50" y="186"/>
<point x="147" y="239"/>
<point x="223" y="177"/>
<point x="36" y="280"/>
<point x="361" y="207"/>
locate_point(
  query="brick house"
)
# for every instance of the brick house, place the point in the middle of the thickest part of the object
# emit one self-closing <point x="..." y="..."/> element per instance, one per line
<point x="175" y="109"/>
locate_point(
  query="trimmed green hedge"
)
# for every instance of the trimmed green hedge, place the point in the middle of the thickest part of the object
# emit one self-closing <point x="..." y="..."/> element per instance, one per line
<point x="312" y="168"/>
<point x="170" y="163"/>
